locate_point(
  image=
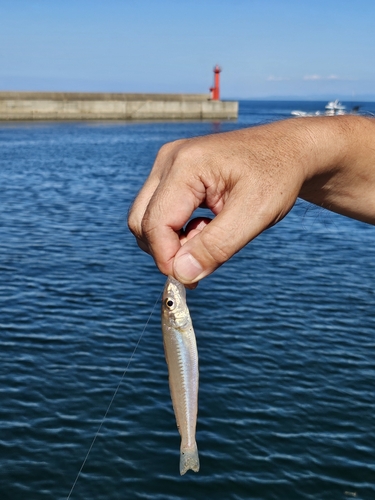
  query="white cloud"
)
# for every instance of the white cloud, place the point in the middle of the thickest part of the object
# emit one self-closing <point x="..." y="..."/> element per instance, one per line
<point x="273" y="78"/>
<point x="312" y="77"/>
<point x="319" y="77"/>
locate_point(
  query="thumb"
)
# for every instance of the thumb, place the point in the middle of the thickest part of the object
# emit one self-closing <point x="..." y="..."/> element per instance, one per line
<point x="218" y="241"/>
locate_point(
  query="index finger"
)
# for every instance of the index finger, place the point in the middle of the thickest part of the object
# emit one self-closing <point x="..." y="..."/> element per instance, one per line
<point x="169" y="209"/>
<point x="137" y="211"/>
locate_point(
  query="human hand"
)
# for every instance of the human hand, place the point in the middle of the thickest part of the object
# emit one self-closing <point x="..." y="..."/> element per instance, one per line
<point x="249" y="179"/>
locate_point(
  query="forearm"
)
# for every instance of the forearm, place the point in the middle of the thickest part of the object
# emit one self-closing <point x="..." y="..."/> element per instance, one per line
<point x="340" y="175"/>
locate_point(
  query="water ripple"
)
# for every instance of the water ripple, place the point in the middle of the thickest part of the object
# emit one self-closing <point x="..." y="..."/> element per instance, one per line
<point x="285" y="334"/>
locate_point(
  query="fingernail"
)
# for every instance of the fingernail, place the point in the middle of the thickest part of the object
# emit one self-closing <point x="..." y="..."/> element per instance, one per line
<point x="187" y="268"/>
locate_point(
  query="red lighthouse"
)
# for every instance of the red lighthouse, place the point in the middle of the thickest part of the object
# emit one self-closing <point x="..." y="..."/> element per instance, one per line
<point x="215" y="90"/>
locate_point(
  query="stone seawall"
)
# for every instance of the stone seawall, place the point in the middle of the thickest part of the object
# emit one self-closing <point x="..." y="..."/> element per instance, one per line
<point x="108" y="106"/>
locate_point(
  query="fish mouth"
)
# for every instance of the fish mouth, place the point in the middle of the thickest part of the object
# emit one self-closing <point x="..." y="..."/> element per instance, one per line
<point x="172" y="283"/>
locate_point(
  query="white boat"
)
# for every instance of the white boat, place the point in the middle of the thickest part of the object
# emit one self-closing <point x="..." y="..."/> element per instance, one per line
<point x="333" y="108"/>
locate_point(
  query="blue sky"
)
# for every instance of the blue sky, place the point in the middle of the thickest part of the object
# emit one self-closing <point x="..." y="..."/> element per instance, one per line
<point x="267" y="48"/>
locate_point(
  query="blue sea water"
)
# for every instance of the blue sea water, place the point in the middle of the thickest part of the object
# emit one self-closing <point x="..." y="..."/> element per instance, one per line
<point x="285" y="332"/>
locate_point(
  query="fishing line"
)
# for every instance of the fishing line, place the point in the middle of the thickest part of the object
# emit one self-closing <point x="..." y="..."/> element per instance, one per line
<point x="113" y="397"/>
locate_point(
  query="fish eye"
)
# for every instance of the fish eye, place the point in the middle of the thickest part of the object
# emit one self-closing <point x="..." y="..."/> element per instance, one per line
<point x="169" y="303"/>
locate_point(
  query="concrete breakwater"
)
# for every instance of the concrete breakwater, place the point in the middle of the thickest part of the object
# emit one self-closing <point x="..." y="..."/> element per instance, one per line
<point x="113" y="106"/>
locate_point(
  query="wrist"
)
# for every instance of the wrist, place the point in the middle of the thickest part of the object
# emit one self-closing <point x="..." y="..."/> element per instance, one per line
<point x="328" y="142"/>
<point x="341" y="173"/>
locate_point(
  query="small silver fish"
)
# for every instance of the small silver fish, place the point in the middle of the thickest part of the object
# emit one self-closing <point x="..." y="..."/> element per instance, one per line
<point x="181" y="354"/>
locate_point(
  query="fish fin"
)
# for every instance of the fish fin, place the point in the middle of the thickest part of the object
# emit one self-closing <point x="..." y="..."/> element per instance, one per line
<point x="189" y="459"/>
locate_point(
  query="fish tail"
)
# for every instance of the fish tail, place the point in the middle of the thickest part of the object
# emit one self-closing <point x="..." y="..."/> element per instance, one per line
<point x="189" y="459"/>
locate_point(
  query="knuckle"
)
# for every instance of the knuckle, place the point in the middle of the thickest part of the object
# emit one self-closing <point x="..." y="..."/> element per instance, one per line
<point x="133" y="223"/>
<point x="169" y="148"/>
<point x="166" y="157"/>
<point x="189" y="153"/>
<point x="164" y="151"/>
